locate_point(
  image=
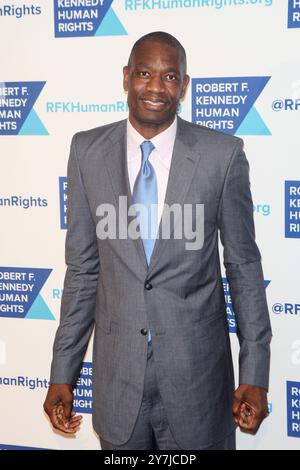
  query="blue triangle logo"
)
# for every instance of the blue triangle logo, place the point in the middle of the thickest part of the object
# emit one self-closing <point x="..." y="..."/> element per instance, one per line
<point x="39" y="310"/>
<point x="253" y="124"/>
<point x="33" y="125"/>
<point x="111" y="25"/>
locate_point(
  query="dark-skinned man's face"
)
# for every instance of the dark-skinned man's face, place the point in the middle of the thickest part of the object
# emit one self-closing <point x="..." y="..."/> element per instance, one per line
<point x="155" y="81"/>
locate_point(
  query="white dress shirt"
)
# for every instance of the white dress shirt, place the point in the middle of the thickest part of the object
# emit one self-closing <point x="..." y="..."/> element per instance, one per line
<point x="160" y="158"/>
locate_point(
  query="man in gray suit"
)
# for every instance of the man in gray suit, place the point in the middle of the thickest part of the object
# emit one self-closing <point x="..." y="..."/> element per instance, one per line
<point x="162" y="366"/>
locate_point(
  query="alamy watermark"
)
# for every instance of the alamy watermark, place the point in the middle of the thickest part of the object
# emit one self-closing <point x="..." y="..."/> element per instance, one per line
<point x="181" y="222"/>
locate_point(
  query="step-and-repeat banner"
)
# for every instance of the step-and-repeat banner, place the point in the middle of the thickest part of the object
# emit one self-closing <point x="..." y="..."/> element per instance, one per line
<point x="61" y="71"/>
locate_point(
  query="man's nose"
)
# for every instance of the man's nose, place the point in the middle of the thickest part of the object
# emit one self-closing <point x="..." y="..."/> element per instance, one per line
<point x="155" y="84"/>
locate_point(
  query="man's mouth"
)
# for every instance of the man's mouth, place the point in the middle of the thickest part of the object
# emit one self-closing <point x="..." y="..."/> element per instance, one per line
<point x="153" y="103"/>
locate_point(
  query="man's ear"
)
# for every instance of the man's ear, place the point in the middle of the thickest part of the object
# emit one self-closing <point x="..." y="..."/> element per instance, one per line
<point x="125" y="77"/>
<point x="185" y="85"/>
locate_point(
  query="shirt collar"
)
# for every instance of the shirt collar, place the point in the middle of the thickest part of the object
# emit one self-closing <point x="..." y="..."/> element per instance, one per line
<point x="162" y="142"/>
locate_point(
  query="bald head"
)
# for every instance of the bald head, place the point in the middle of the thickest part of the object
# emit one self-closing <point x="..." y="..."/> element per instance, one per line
<point x="162" y="38"/>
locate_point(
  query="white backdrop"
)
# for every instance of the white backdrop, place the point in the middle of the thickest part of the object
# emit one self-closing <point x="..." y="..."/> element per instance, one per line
<point x="234" y="40"/>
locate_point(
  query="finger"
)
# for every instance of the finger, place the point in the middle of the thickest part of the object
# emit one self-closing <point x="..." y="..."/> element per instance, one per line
<point x="75" y="422"/>
<point x="245" y="425"/>
<point x="249" y="423"/>
<point x="60" y="418"/>
<point x="246" y="415"/>
<point x="236" y="406"/>
<point x="238" y="411"/>
<point x="58" y="422"/>
<point x="74" y="427"/>
<point x="76" y="419"/>
<point x="67" y="410"/>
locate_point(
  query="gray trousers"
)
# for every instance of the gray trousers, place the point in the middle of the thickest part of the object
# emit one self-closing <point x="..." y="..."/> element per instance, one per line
<point x="152" y="430"/>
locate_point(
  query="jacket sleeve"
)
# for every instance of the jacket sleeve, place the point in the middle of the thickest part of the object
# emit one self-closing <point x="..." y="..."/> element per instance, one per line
<point x="80" y="285"/>
<point x="244" y="272"/>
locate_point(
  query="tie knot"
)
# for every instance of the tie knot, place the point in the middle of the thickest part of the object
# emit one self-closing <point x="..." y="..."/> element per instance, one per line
<point x="146" y="148"/>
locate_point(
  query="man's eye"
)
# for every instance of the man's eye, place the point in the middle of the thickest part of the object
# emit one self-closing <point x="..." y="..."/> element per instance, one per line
<point x="143" y="74"/>
<point x="170" y="77"/>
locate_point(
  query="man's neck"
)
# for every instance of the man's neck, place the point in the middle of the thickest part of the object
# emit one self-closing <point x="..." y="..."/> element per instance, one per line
<point x="149" y="130"/>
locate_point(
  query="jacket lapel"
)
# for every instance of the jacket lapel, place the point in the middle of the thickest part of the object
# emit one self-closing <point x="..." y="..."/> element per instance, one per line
<point x="181" y="173"/>
<point x="116" y="162"/>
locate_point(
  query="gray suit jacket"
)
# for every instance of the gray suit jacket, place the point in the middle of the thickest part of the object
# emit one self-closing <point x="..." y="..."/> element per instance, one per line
<point x="185" y="309"/>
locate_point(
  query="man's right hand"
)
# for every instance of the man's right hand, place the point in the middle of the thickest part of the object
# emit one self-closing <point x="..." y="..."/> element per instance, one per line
<point x="58" y="406"/>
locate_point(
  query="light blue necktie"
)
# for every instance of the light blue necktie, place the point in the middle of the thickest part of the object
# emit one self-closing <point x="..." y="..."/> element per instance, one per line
<point x="145" y="193"/>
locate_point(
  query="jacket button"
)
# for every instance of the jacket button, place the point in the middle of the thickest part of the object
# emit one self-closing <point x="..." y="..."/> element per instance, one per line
<point x="144" y="331"/>
<point x="148" y="286"/>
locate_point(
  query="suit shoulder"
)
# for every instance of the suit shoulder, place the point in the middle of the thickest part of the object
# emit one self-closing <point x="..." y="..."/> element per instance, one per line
<point x="211" y="136"/>
<point x="83" y="140"/>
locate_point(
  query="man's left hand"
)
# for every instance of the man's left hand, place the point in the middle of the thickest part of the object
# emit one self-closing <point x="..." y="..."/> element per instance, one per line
<point x="250" y="407"/>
